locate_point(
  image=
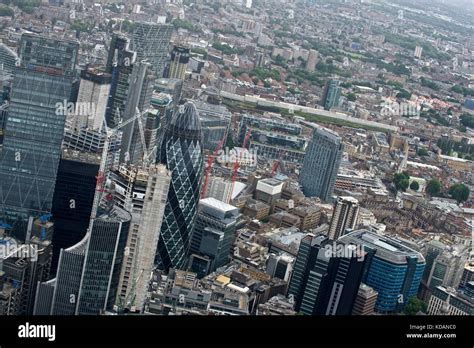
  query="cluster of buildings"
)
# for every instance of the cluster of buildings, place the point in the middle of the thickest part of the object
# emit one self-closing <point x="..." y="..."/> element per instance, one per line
<point x="176" y="168"/>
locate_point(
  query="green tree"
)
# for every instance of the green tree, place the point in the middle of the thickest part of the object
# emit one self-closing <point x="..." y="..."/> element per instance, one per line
<point x="467" y="120"/>
<point x="433" y="187"/>
<point x="401" y="181"/>
<point x="459" y="192"/>
<point x="414" y="306"/>
<point x="6" y="11"/>
<point x="414" y="186"/>
<point x="422" y="152"/>
<point x="351" y="97"/>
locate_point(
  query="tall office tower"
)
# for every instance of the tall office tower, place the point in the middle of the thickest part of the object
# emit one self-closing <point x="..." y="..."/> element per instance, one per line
<point x="467" y="275"/>
<point x="34" y="130"/>
<point x="431" y="251"/>
<point x="58" y="296"/>
<point x="72" y="200"/>
<point x="88" y="273"/>
<point x="138" y="99"/>
<point x="392" y="269"/>
<point x="116" y="56"/>
<point x="8" y="59"/>
<point x="344" y="217"/>
<point x="103" y="262"/>
<point x="143" y="192"/>
<point x="280" y="266"/>
<point x="365" y="301"/>
<point x="151" y="41"/>
<point x="181" y="152"/>
<point x="214" y="232"/>
<point x="448" y="267"/>
<point x="24" y="266"/>
<point x="332" y="93"/>
<point x="120" y="62"/>
<point x="321" y="164"/>
<point x="91" y="104"/>
<point x="162" y="104"/>
<point x="179" y="63"/>
<point x="324" y="282"/>
<point x="312" y="60"/>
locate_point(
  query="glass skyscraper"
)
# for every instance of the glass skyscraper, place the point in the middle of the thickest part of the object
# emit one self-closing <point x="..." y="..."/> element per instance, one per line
<point x="151" y="41"/>
<point x="34" y="128"/>
<point x="88" y="273"/>
<point x="181" y="152"/>
<point x="332" y="93"/>
<point x="392" y="269"/>
<point x="321" y="164"/>
<point x="324" y="283"/>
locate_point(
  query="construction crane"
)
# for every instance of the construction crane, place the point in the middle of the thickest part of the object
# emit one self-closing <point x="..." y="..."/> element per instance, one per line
<point x="210" y="163"/>
<point x="110" y="133"/>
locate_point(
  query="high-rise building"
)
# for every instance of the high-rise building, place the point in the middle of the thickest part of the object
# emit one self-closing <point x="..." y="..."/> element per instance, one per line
<point x="214" y="232"/>
<point x="103" y="262"/>
<point x="392" y="269"/>
<point x="59" y="295"/>
<point x="91" y="105"/>
<point x="88" y="273"/>
<point x="344" y="217"/>
<point x="151" y="41"/>
<point x="143" y="192"/>
<point x="162" y="105"/>
<point x="140" y="89"/>
<point x="179" y="63"/>
<point x="72" y="200"/>
<point x="181" y="152"/>
<point x="8" y="59"/>
<point x="365" y="301"/>
<point x="24" y="265"/>
<point x="34" y="128"/>
<point x="323" y="282"/>
<point x="447" y="268"/>
<point x="120" y="62"/>
<point x="131" y="91"/>
<point x="332" y="93"/>
<point x="432" y="250"/>
<point x="321" y="164"/>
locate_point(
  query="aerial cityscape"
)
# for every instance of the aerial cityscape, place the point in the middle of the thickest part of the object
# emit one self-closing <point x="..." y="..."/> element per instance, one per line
<point x="236" y="157"/>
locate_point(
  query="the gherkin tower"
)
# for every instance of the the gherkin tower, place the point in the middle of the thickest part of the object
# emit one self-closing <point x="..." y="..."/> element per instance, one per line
<point x="181" y="152"/>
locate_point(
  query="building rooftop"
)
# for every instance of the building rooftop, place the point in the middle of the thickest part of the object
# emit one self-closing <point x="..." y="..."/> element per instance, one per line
<point x="386" y="248"/>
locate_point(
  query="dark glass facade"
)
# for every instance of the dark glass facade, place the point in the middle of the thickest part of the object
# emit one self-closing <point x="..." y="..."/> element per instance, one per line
<point x="181" y="152"/>
<point x="72" y="202"/>
<point x="34" y="129"/>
